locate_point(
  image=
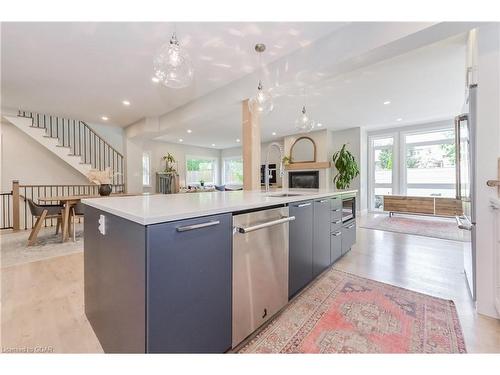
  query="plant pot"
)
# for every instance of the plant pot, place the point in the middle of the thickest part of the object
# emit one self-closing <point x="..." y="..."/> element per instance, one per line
<point x="105" y="190"/>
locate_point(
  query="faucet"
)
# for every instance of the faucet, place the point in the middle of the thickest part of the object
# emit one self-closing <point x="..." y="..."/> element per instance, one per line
<point x="266" y="170"/>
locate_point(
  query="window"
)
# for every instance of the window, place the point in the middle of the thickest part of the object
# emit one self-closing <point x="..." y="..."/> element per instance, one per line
<point x="232" y="171"/>
<point x="200" y="169"/>
<point x="146" y="169"/>
<point x="416" y="162"/>
<point x="430" y="163"/>
<point x="381" y="171"/>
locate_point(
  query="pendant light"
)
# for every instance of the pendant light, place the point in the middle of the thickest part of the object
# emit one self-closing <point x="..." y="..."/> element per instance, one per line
<point x="262" y="102"/>
<point x="304" y="123"/>
<point x="172" y="65"/>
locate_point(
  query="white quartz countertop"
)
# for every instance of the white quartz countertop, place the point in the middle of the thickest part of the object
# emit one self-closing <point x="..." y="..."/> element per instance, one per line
<point x="159" y="208"/>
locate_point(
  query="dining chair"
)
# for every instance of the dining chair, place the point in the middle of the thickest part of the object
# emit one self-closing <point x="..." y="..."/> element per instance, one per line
<point x="77" y="210"/>
<point x="42" y="212"/>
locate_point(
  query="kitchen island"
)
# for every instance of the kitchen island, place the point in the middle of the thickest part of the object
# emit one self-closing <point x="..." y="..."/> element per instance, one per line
<point x="162" y="276"/>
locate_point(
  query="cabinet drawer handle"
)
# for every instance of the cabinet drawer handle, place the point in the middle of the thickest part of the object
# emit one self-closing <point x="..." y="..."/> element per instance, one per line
<point x="265" y="225"/>
<point x="336" y="234"/>
<point x="303" y="205"/>
<point x="336" y="210"/>
<point x="198" y="226"/>
<point x="350" y="226"/>
<point x="322" y="201"/>
<point x="337" y="222"/>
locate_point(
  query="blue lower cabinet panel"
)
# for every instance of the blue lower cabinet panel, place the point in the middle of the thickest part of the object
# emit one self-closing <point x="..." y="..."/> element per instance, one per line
<point x="189" y="286"/>
<point x="115" y="279"/>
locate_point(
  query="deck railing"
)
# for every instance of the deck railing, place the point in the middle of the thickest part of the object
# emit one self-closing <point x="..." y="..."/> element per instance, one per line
<point x="15" y="213"/>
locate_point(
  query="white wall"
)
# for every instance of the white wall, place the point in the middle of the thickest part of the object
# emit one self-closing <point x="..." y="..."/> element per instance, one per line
<point x="488" y="151"/>
<point x="24" y="159"/>
<point x="353" y="137"/>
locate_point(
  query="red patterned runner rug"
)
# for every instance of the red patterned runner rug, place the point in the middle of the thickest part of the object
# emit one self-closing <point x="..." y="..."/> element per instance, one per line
<point x="344" y="313"/>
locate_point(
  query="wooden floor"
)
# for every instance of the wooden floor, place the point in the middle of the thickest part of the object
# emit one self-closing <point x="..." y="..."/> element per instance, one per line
<point x="42" y="302"/>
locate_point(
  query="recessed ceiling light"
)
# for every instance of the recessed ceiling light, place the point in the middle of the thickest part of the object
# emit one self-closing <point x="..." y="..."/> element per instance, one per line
<point x="273" y="133"/>
<point x="104" y="118"/>
<point x="387" y="102"/>
<point x="399" y="119"/>
<point x="238" y="140"/>
<point x="213" y="144"/>
<point x="189" y="131"/>
<point x="319" y="124"/>
<point x="181" y="140"/>
<point x="155" y="80"/>
<point x="126" y="103"/>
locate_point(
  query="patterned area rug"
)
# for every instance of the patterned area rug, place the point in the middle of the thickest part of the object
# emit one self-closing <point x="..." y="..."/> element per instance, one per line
<point x="430" y="227"/>
<point x="14" y="249"/>
<point x="344" y="313"/>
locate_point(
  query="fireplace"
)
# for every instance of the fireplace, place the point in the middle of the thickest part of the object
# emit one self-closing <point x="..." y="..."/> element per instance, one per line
<point x="303" y="179"/>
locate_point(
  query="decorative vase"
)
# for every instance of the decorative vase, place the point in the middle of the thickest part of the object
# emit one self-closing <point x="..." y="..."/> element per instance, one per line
<point x="105" y="190"/>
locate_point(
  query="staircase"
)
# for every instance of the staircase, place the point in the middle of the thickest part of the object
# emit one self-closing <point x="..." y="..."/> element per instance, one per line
<point x="73" y="141"/>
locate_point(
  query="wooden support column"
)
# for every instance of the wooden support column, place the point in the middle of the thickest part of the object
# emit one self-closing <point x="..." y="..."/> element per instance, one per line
<point x="16" y="222"/>
<point x="251" y="148"/>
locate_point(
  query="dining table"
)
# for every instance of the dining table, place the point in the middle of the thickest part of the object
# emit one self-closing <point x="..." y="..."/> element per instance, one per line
<point x="68" y="201"/>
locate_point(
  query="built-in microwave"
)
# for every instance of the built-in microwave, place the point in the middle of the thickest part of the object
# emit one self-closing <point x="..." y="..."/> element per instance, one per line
<point x="348" y="208"/>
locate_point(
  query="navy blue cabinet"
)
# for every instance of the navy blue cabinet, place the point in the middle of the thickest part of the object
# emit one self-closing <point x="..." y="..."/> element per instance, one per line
<point x="348" y="236"/>
<point x="321" y="236"/>
<point x="189" y="286"/>
<point x="115" y="282"/>
<point x="301" y="246"/>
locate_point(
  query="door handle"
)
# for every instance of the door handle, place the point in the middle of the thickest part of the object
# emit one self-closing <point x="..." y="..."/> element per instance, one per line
<point x="461" y="225"/>
<point x="303" y="205"/>
<point x="197" y="226"/>
<point x="265" y="225"/>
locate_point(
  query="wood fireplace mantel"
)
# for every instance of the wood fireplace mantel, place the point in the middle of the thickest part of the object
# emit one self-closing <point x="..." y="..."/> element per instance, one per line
<point x="305" y="166"/>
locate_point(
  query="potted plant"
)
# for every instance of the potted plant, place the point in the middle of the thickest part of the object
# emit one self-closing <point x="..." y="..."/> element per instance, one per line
<point x="169" y="163"/>
<point x="346" y="166"/>
<point x="103" y="179"/>
<point x="202" y="183"/>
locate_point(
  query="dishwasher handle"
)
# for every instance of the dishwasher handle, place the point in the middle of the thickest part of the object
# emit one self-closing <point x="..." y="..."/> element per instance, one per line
<point x="265" y="225"/>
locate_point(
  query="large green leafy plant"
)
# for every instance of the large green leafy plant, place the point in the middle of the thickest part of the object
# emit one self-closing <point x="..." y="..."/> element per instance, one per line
<point x="346" y="166"/>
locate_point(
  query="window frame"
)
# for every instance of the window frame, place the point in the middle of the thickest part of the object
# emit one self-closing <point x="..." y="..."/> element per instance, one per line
<point x="399" y="172"/>
<point x="404" y="150"/>
<point x="215" y="161"/>
<point x="149" y="175"/>
<point x="223" y="171"/>
<point x="371" y="166"/>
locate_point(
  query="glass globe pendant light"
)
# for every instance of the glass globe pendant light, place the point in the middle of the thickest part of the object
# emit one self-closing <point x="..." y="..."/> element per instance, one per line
<point x="262" y="102"/>
<point x="172" y="66"/>
<point x="303" y="123"/>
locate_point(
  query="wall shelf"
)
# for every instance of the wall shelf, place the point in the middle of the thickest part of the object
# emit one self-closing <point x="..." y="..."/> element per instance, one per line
<point x="314" y="165"/>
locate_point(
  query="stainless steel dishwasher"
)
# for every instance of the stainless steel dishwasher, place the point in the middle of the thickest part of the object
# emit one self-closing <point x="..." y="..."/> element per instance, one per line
<point x="260" y="268"/>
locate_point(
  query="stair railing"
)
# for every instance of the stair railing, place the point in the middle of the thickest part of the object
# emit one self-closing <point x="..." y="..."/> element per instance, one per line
<point x="82" y="140"/>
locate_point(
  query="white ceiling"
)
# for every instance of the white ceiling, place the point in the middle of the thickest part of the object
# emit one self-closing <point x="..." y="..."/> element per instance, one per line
<point x="85" y="70"/>
<point x="426" y="84"/>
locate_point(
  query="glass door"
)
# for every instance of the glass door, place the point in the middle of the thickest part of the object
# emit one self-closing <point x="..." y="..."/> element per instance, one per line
<point x="382" y="168"/>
